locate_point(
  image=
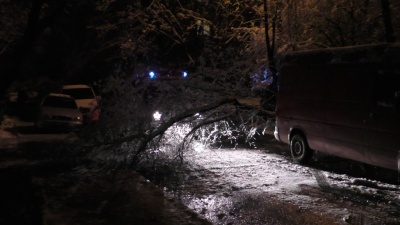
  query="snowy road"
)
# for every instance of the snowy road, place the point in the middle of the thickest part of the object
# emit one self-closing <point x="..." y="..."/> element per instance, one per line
<point x="262" y="186"/>
<point x="254" y="186"/>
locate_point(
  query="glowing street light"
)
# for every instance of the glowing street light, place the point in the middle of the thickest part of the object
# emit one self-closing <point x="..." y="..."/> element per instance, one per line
<point x="157" y="116"/>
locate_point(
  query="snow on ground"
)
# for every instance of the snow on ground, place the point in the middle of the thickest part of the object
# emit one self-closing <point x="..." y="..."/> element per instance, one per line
<point x="14" y="132"/>
<point x="7" y="138"/>
<point x="235" y="175"/>
<point x="11" y="133"/>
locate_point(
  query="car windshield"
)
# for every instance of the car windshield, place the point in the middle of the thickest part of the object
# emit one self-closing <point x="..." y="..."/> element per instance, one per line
<point x="57" y="102"/>
<point x="79" y="93"/>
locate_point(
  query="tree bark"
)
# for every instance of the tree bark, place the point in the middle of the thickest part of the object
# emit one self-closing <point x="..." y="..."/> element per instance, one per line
<point x="270" y="45"/>
<point x="35" y="27"/>
<point x="387" y="20"/>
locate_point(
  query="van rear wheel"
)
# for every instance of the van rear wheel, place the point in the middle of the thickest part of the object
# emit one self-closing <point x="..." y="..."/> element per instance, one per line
<point x="299" y="149"/>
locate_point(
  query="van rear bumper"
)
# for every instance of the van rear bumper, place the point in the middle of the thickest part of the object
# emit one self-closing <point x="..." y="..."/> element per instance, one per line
<point x="398" y="164"/>
<point x="276" y="133"/>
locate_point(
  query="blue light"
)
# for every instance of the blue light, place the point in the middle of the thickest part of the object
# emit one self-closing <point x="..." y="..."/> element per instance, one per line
<point x="152" y="75"/>
<point x="184" y="74"/>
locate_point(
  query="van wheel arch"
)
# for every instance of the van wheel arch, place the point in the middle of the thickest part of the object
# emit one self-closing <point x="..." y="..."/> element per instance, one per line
<point x="299" y="149"/>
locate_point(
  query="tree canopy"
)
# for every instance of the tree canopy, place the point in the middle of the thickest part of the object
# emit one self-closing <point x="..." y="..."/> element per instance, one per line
<point x="69" y="38"/>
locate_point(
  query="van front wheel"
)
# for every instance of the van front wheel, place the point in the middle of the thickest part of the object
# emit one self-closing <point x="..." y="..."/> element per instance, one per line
<point x="299" y="149"/>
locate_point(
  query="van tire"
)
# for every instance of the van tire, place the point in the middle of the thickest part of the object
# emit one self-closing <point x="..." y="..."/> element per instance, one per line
<point x="299" y="149"/>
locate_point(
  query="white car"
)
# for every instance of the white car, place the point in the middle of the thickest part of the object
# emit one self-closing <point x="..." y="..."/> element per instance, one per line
<point x="86" y="100"/>
<point x="59" y="112"/>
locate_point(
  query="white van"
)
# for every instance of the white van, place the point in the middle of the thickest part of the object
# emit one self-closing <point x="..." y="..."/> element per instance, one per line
<point x="86" y="100"/>
<point x="342" y="101"/>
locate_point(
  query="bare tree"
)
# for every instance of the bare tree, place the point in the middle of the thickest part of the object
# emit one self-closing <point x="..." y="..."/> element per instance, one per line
<point x="205" y="103"/>
<point x="321" y="23"/>
<point x="30" y="23"/>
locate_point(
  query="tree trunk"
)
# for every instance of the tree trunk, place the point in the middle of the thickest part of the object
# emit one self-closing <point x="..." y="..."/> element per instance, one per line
<point x="12" y="72"/>
<point x="270" y="45"/>
<point x="387" y="20"/>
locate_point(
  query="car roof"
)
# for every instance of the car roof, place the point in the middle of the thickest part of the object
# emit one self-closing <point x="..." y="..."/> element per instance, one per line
<point x="74" y="86"/>
<point x="59" y="95"/>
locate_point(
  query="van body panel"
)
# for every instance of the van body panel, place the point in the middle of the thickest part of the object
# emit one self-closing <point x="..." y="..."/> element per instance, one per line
<point x="343" y="100"/>
<point x="382" y="127"/>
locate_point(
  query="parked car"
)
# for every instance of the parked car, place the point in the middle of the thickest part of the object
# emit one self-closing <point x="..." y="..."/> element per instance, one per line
<point x="86" y="99"/>
<point x="59" y="112"/>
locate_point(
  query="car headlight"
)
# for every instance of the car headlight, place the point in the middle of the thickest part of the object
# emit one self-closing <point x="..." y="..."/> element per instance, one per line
<point x="157" y="116"/>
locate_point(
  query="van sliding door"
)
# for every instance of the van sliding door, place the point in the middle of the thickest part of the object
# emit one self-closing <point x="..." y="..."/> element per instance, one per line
<point x="346" y="109"/>
<point x="383" y="121"/>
